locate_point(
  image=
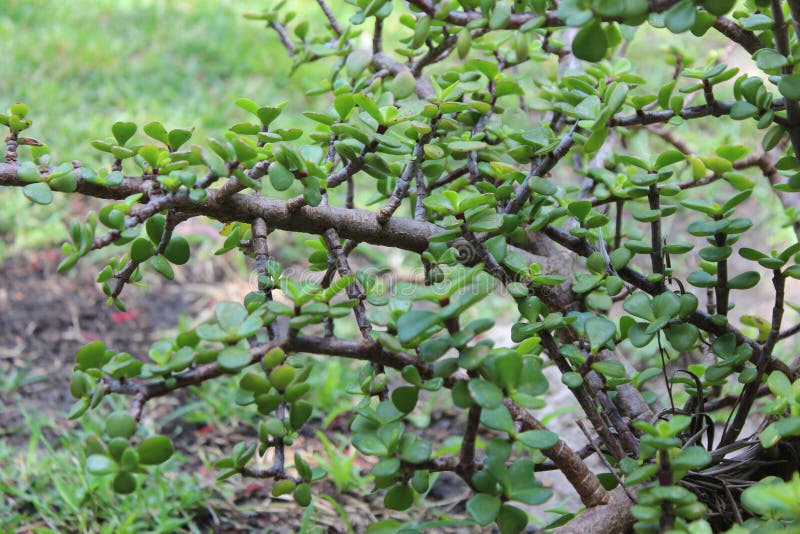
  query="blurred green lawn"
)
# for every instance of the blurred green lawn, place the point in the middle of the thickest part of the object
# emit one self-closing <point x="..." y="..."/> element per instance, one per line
<point x="81" y="65"/>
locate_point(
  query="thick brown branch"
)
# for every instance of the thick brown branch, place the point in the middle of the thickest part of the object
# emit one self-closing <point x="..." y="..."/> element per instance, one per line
<point x="358" y="225"/>
<point x="614" y="516"/>
<point x="580" y="477"/>
<point x="745" y="38"/>
<point x="466" y="456"/>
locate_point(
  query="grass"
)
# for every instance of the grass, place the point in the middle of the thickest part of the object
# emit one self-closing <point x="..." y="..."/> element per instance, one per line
<point x="45" y="488"/>
<point x="89" y="63"/>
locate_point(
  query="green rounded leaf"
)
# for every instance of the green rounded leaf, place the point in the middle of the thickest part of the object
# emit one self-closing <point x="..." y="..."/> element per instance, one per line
<point x="682" y="336"/>
<point x="299" y="413"/>
<point x="770" y="59"/>
<point x="511" y="519"/>
<point x="280" y="177"/>
<point x="39" y="193"/>
<point x="501" y="14"/>
<point x="745" y="280"/>
<point x="403" y="85"/>
<point x="414" y="323"/>
<point x="177" y="250"/>
<point x="369" y="444"/>
<point x="743" y="110"/>
<point x="155" y="450"/>
<point x="414" y="449"/>
<point x="789" y="86"/>
<point x="718" y="7"/>
<point x="405" y="398"/>
<point x="538" y="439"/>
<point x="610" y="369"/>
<point x="590" y="42"/>
<point x="124" y="483"/>
<point x="254" y="382"/>
<point x="312" y="194"/>
<point x="99" y="464"/>
<point x="572" y="380"/>
<point x="779" y="384"/>
<point x="66" y="183"/>
<point x="600" y="331"/>
<point x="681" y="17"/>
<point x="282" y="487"/>
<point x="120" y="425"/>
<point x="123" y="131"/>
<point x="162" y="267"/>
<point x="509" y="370"/>
<point x="141" y="250"/>
<point x="20" y="109"/>
<point x="233" y="359"/>
<point x="485" y="393"/>
<point x="357" y="62"/>
<point x="399" y="498"/>
<point x="129" y="460"/>
<point x="29" y="172"/>
<point x="691" y="458"/>
<point x="157" y="131"/>
<point x="302" y="494"/>
<point x="230" y="315"/>
<point x="483" y="508"/>
<point x="178" y="137"/>
<point x="386" y="468"/>
<point x="463" y="43"/>
<point x="91" y="356"/>
<point x="421" y="32"/>
<point x="466" y="146"/>
<point x="155" y="227"/>
<point x="272" y="358"/>
<point x="281" y="376"/>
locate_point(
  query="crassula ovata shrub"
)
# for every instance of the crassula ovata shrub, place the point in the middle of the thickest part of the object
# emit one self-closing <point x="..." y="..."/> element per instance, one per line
<point x="514" y="149"/>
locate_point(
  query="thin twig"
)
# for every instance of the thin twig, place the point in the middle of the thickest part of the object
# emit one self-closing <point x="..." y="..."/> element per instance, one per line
<point x="283" y="35"/>
<point x="335" y="26"/>
<point x="611" y="470"/>
<point x="261" y="250"/>
<point x="538" y="169"/>
<point x="750" y="391"/>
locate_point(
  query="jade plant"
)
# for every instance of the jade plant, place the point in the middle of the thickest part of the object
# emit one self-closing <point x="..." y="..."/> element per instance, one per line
<point x="513" y="149"/>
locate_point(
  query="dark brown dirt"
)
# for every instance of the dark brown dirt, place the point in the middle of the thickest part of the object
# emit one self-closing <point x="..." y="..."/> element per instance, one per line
<point x="45" y="317"/>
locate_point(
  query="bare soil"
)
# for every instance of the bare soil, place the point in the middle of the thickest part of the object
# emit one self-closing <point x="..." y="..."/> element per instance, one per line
<point x="45" y="317"/>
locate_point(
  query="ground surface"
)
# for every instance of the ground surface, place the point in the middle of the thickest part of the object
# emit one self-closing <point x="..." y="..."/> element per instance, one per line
<point x="46" y="317"/>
